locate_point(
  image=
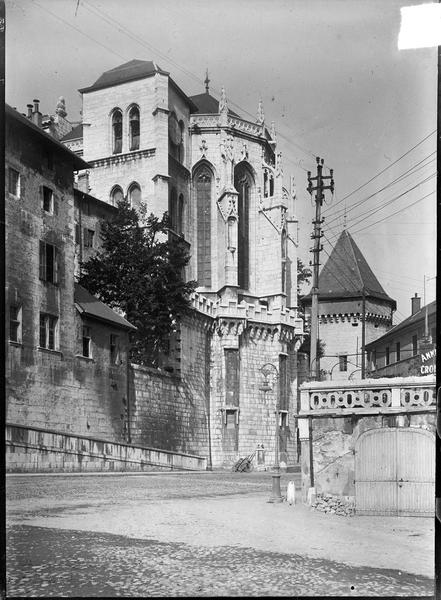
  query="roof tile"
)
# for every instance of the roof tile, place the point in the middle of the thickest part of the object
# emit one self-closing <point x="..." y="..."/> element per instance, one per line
<point x="94" y="308"/>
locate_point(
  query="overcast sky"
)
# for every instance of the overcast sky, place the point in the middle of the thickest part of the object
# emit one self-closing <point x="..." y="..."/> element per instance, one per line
<point x="330" y="76"/>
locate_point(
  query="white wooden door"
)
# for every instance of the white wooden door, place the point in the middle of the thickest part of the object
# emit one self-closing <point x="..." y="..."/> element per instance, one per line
<point x="395" y="472"/>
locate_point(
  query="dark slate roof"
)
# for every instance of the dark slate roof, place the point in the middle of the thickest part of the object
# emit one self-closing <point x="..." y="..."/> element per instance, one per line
<point x="74" y="134"/>
<point x="95" y="309"/>
<point x="346" y="273"/>
<point x="417" y="317"/>
<point x="78" y="163"/>
<point x="129" y="71"/>
<point x="206" y="104"/>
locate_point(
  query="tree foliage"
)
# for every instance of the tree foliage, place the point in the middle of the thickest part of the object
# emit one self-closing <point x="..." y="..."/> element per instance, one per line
<point x="303" y="275"/>
<point x="306" y="347"/>
<point x="138" y="272"/>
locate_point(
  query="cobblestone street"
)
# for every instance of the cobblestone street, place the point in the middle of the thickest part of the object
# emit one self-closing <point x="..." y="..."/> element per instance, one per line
<point x="200" y="535"/>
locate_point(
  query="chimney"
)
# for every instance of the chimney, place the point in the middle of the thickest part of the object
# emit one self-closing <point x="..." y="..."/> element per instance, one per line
<point x="29" y="106"/>
<point x="83" y="182"/>
<point x="36" y="115"/>
<point x="416" y="304"/>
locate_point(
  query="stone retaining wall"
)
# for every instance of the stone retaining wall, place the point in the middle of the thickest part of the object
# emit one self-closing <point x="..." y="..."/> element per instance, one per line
<point x="39" y="450"/>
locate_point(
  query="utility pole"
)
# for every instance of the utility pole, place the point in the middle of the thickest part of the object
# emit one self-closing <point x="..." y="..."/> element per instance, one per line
<point x="363" y="335"/>
<point x="316" y="236"/>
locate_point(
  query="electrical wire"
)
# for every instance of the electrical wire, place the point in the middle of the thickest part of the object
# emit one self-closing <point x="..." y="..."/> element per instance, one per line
<point x="411" y="171"/>
<point x="388" y="167"/>
<point x="79" y="31"/>
<point x="396" y="212"/>
<point x="344" y="288"/>
<point x="106" y="17"/>
<point x="373" y="211"/>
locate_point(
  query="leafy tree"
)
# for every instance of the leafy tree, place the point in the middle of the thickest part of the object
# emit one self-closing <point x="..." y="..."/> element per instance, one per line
<point x="303" y="275"/>
<point x="306" y="347"/>
<point x="138" y="272"/>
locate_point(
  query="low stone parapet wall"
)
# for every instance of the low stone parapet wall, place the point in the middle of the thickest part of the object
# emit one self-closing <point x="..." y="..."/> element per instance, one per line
<point x="30" y="450"/>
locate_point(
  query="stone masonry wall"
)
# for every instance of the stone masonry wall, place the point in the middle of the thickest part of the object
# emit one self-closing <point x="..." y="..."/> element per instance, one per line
<point x="342" y="335"/>
<point x="334" y="442"/>
<point x="53" y="388"/>
<point x="256" y="419"/>
<point x="128" y="167"/>
<point x="172" y="412"/>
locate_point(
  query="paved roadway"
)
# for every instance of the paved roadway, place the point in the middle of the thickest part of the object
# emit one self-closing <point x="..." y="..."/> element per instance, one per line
<point x="200" y="535"/>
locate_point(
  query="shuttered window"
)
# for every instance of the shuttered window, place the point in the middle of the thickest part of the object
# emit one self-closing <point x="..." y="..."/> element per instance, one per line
<point x="14" y="182"/>
<point x="48" y="331"/>
<point x="48" y="263"/>
<point x="48" y="200"/>
<point x="15" y="323"/>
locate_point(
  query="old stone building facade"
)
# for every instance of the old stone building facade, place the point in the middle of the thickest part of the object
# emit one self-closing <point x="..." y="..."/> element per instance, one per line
<point x="220" y="177"/>
<point x="66" y="364"/>
<point x="350" y="298"/>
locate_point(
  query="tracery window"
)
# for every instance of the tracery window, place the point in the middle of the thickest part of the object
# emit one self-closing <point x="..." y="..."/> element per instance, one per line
<point x="134" y="195"/>
<point x="116" y="131"/>
<point x="134" y="128"/>
<point x="243" y="182"/>
<point x="116" y="195"/>
<point x="203" y="187"/>
<point x="283" y="254"/>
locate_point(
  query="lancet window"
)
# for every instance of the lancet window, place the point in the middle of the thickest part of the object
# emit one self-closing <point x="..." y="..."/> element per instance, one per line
<point x="202" y="183"/>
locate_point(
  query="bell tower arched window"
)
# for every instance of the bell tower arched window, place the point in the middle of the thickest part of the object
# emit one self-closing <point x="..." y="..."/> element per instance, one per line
<point x="203" y="186"/>
<point x="117" y="131"/>
<point x="134" y="128"/>
<point x="243" y="182"/>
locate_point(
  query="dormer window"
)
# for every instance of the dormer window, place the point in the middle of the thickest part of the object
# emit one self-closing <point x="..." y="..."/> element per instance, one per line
<point x="117" y="131"/>
<point x="134" y="128"/>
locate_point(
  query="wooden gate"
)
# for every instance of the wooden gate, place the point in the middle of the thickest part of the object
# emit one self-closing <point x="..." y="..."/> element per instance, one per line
<point x="395" y="472"/>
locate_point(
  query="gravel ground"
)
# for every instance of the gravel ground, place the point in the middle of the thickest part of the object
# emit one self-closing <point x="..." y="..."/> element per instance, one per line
<point x="201" y="534"/>
<point x="50" y="562"/>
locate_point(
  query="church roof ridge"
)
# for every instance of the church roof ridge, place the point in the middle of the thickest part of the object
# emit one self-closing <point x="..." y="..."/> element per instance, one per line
<point x="128" y="71"/>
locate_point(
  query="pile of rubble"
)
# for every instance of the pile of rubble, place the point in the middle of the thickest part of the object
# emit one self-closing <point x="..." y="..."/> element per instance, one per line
<point x="335" y="505"/>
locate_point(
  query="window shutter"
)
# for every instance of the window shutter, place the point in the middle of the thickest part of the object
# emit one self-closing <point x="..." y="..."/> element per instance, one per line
<point x="42" y="260"/>
<point x="56" y="261"/>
